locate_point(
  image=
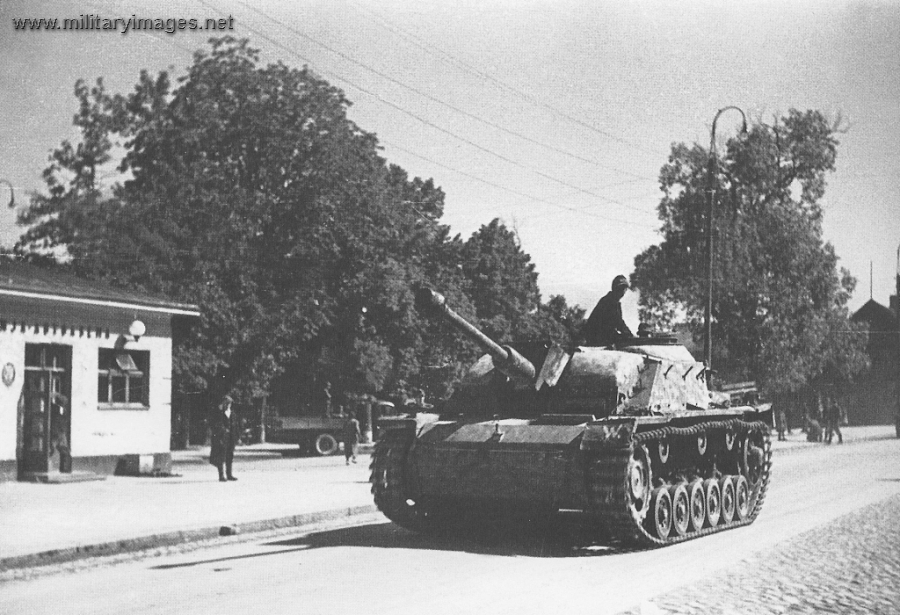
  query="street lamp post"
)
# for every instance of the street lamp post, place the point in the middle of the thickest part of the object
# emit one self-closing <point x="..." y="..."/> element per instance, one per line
<point x="12" y="194"/>
<point x="711" y="179"/>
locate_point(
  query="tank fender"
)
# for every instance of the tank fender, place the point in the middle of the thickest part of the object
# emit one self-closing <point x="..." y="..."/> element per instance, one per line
<point x="762" y="413"/>
<point x="613" y="432"/>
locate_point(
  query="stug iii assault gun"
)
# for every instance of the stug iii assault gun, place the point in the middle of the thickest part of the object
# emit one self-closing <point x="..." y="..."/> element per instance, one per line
<point x="625" y="434"/>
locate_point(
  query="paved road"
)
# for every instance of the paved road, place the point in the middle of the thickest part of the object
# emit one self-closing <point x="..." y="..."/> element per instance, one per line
<point x="840" y="502"/>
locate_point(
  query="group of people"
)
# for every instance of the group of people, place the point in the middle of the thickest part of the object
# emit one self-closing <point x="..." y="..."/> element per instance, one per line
<point x="821" y="422"/>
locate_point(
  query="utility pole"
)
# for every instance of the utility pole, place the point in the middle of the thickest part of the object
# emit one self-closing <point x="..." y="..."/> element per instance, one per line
<point x="12" y="193"/>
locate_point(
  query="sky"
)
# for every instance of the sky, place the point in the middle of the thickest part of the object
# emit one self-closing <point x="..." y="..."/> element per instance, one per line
<point x="555" y="116"/>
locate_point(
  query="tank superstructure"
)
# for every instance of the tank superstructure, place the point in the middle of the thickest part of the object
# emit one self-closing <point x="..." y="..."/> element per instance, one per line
<point x="624" y="434"/>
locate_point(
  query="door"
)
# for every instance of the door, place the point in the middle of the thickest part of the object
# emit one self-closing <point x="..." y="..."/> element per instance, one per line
<point x="46" y="424"/>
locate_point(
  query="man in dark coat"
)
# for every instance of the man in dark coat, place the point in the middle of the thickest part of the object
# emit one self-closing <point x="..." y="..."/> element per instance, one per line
<point x="605" y="325"/>
<point x="352" y="437"/>
<point x="225" y="434"/>
<point x="832" y="415"/>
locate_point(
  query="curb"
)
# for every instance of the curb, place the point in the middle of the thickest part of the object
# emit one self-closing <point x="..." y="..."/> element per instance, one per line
<point x="170" y="539"/>
<point x="805" y="446"/>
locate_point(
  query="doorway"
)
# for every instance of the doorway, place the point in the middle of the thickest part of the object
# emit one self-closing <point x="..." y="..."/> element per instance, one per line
<point x="46" y="421"/>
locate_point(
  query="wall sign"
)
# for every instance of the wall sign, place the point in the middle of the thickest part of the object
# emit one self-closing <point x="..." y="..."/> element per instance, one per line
<point x="8" y="374"/>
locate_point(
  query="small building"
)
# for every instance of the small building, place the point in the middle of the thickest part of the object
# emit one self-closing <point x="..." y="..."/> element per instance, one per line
<point x="85" y="375"/>
<point x="874" y="398"/>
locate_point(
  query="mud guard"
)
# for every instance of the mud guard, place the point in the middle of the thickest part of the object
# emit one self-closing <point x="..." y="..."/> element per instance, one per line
<point x="609" y="433"/>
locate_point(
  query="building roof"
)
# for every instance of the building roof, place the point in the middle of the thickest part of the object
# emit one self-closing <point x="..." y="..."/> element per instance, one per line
<point x="879" y="317"/>
<point x="22" y="279"/>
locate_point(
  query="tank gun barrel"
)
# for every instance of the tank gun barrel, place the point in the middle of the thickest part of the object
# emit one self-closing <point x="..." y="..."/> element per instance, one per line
<point x="506" y="358"/>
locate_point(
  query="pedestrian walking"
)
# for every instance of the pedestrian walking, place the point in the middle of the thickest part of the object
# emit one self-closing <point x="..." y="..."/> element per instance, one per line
<point x="352" y="437"/>
<point x="225" y="434"/>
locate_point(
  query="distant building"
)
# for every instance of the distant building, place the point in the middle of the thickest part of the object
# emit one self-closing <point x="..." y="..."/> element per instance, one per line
<point x="86" y="374"/>
<point x="873" y="399"/>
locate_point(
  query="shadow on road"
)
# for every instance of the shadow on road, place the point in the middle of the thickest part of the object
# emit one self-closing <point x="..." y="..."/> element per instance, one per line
<point x="568" y="537"/>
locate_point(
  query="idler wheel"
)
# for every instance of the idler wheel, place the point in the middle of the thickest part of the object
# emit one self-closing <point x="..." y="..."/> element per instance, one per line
<point x="713" y="501"/>
<point x="726" y="487"/>
<point x="752" y="458"/>
<point x="755" y="458"/>
<point x="741" y="498"/>
<point x="702" y="443"/>
<point x="697" y="499"/>
<point x="639" y="482"/>
<point x="661" y="513"/>
<point x="681" y="509"/>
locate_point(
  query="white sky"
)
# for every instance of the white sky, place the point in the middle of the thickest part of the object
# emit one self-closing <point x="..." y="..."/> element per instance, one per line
<point x="599" y="89"/>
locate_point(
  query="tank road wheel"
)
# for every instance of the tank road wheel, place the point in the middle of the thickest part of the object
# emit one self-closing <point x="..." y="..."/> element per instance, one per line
<point x="726" y="487"/>
<point x="697" y="498"/>
<point x="702" y="443"/>
<point x="741" y="498"/>
<point x="325" y="444"/>
<point x="681" y="509"/>
<point x="639" y="483"/>
<point x="660" y="518"/>
<point x="713" y="501"/>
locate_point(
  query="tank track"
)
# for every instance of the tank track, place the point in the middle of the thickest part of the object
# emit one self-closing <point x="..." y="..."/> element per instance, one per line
<point x="608" y="488"/>
<point x="610" y="493"/>
<point x="393" y="486"/>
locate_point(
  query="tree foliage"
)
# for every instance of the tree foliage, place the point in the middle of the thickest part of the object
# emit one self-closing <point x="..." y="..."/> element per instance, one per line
<point x="779" y="303"/>
<point x="251" y="193"/>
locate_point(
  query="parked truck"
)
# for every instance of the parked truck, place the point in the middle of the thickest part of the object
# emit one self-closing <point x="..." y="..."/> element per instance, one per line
<point x="320" y="435"/>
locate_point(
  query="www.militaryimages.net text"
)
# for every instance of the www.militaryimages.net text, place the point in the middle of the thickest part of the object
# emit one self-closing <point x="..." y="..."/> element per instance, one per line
<point x="98" y="23"/>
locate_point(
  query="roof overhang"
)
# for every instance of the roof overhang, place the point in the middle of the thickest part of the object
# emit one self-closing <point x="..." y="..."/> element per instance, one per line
<point x="174" y="309"/>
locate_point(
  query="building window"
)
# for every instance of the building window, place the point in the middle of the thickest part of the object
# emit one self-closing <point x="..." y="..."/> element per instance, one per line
<point x="123" y="379"/>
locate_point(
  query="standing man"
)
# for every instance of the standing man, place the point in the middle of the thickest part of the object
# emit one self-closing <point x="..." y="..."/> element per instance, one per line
<point x="780" y="418"/>
<point x="325" y="399"/>
<point x="352" y="437"/>
<point x="605" y="325"/>
<point x="225" y="434"/>
<point x="832" y="419"/>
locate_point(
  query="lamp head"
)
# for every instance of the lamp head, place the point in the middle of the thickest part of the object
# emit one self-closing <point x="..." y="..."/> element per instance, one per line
<point x="136" y="329"/>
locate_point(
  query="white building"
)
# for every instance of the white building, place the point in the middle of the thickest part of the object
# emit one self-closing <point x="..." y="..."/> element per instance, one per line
<point x="83" y="367"/>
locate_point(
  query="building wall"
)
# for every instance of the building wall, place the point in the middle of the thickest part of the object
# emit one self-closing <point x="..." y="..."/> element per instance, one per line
<point x="95" y="432"/>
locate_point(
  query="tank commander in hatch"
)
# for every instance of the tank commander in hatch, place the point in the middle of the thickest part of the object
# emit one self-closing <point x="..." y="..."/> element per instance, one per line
<point x="605" y="325"/>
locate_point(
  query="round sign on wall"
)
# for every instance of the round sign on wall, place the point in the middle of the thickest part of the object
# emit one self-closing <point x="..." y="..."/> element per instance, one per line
<point x="8" y="374"/>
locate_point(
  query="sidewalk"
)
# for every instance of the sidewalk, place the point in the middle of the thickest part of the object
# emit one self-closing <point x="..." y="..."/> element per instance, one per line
<point x="41" y="523"/>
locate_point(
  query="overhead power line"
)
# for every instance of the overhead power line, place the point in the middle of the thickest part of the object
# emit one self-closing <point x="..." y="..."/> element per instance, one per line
<point x="406" y="86"/>
<point x="512" y="190"/>
<point x="455" y="61"/>
<point x="427" y="122"/>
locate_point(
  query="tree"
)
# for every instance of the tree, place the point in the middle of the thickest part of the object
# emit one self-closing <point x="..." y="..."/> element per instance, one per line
<point x="502" y="282"/>
<point x="249" y="192"/>
<point x="779" y="304"/>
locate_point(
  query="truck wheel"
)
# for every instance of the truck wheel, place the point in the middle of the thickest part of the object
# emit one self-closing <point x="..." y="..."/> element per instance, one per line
<point x="326" y="444"/>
